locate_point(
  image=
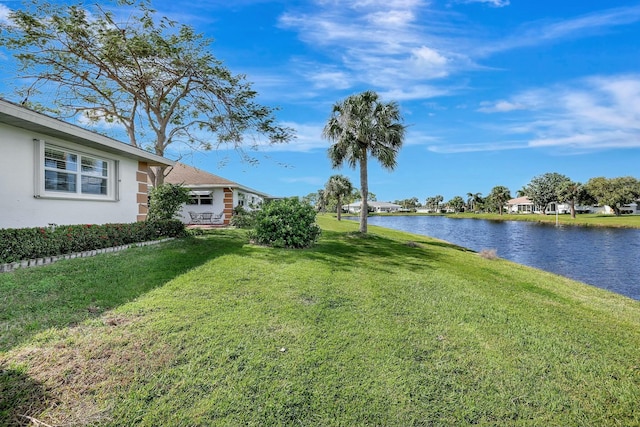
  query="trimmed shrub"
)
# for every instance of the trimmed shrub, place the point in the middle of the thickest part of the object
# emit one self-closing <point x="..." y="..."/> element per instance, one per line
<point x="166" y="200"/>
<point x="17" y="244"/>
<point x="286" y="223"/>
<point x="242" y="218"/>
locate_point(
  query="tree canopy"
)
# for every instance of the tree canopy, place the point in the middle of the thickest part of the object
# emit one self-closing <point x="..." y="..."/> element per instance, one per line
<point x="614" y="192"/>
<point x="498" y="197"/>
<point x="543" y="189"/>
<point x="572" y="193"/>
<point x="457" y="204"/>
<point x="153" y="77"/>
<point x="361" y="126"/>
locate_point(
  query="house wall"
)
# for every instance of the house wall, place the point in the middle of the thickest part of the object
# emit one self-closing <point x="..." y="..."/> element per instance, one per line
<point x="20" y="208"/>
<point x="219" y="198"/>
<point x="250" y="201"/>
<point x="230" y="197"/>
<point x="224" y="200"/>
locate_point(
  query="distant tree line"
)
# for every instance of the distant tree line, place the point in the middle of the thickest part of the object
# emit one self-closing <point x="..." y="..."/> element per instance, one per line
<point x="542" y="191"/>
<point x="545" y="189"/>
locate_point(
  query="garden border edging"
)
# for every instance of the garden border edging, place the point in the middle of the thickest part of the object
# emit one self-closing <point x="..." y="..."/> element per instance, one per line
<point x="11" y="266"/>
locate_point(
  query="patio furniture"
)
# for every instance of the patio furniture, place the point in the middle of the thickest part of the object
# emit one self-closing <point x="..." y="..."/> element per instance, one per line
<point x="195" y="218"/>
<point x="206" y="218"/>
<point x="218" y="218"/>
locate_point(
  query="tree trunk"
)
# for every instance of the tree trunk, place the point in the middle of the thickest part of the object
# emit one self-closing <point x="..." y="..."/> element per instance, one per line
<point x="572" y="203"/>
<point x="364" y="192"/>
<point x="339" y="209"/>
<point x="156" y="175"/>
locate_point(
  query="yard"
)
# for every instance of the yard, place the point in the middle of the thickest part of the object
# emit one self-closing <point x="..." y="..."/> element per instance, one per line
<point x="386" y="329"/>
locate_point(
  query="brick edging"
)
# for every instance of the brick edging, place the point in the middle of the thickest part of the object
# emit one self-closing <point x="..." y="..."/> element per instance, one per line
<point x="11" y="266"/>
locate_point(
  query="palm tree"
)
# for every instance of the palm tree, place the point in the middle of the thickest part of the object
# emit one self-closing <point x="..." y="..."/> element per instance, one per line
<point x="321" y="201"/>
<point x="572" y="193"/>
<point x="361" y="126"/>
<point x="499" y="196"/>
<point x="437" y="200"/>
<point x="339" y="187"/>
<point x="473" y="200"/>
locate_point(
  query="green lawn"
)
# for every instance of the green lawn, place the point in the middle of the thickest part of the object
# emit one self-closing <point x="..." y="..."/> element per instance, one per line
<point x="585" y="220"/>
<point x="386" y="329"/>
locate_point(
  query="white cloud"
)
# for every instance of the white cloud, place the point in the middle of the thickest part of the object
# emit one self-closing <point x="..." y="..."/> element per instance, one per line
<point x="329" y="78"/>
<point x="414" y="92"/>
<point x="479" y="147"/>
<point x="308" y="138"/>
<point x="536" y="33"/>
<point x="4" y="13"/>
<point x="393" y="18"/>
<point x="387" y="45"/>
<point x="500" y="106"/>
<point x="591" y="114"/>
<point x="494" y="3"/>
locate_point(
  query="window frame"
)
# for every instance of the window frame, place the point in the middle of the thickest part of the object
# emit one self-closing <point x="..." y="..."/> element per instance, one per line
<point x="197" y="197"/>
<point x="111" y="179"/>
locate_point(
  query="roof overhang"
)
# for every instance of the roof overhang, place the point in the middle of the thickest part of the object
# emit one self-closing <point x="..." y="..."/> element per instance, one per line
<point x="18" y="116"/>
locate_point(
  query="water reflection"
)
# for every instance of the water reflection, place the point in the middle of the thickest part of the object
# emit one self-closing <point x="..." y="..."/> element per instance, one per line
<point x="604" y="257"/>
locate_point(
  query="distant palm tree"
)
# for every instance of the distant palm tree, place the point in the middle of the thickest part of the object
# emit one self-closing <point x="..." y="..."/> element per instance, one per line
<point x="321" y="201"/>
<point x="338" y="187"/>
<point x="437" y="200"/>
<point x="359" y="126"/>
<point x="473" y="200"/>
<point x="499" y="196"/>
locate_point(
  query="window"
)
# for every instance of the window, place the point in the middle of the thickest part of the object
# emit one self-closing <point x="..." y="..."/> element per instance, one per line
<point x="201" y="198"/>
<point x="66" y="173"/>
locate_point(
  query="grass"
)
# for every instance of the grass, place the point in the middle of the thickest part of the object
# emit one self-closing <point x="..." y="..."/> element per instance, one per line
<point x="584" y="220"/>
<point x="383" y="329"/>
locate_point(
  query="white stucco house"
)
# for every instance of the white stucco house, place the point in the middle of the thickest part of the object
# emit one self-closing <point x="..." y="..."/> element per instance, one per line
<point x="53" y="172"/>
<point x="212" y="194"/>
<point x="373" y="207"/>
<point x="524" y="205"/>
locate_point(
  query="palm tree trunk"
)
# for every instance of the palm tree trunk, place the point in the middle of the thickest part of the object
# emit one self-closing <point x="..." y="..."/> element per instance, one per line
<point x="364" y="191"/>
<point x="339" y="209"/>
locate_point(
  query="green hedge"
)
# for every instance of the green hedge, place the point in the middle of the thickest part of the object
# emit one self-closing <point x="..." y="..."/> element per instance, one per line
<point x="286" y="223"/>
<point x="17" y="244"/>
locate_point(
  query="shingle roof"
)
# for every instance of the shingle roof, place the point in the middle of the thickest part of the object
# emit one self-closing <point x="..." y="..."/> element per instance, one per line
<point x="192" y="177"/>
<point x="188" y="175"/>
<point x="520" y="201"/>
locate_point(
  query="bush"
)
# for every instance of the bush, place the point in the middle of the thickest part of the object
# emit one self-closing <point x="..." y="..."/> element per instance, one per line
<point x="29" y="243"/>
<point x="242" y="218"/>
<point x="166" y="200"/>
<point x="286" y="223"/>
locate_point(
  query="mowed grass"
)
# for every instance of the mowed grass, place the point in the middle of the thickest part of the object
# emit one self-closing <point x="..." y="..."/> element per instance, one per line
<point x="584" y="220"/>
<point x="386" y="329"/>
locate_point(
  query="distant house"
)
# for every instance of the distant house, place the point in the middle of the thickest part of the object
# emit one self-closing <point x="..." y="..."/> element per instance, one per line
<point x="213" y="194"/>
<point x="520" y="205"/>
<point x="373" y="207"/>
<point x="53" y="172"/>
<point x="524" y="205"/>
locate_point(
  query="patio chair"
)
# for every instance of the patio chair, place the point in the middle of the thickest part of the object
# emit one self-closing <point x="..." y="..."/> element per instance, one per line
<point x="218" y="218"/>
<point x="195" y="218"/>
<point x="206" y="217"/>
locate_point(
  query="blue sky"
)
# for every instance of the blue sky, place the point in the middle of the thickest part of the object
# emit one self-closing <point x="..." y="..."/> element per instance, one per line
<point x="494" y="92"/>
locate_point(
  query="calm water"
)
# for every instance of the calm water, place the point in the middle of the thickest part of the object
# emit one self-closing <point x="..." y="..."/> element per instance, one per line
<point x="605" y="257"/>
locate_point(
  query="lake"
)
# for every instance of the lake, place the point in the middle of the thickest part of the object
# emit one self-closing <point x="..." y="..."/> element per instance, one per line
<point x="605" y="257"/>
